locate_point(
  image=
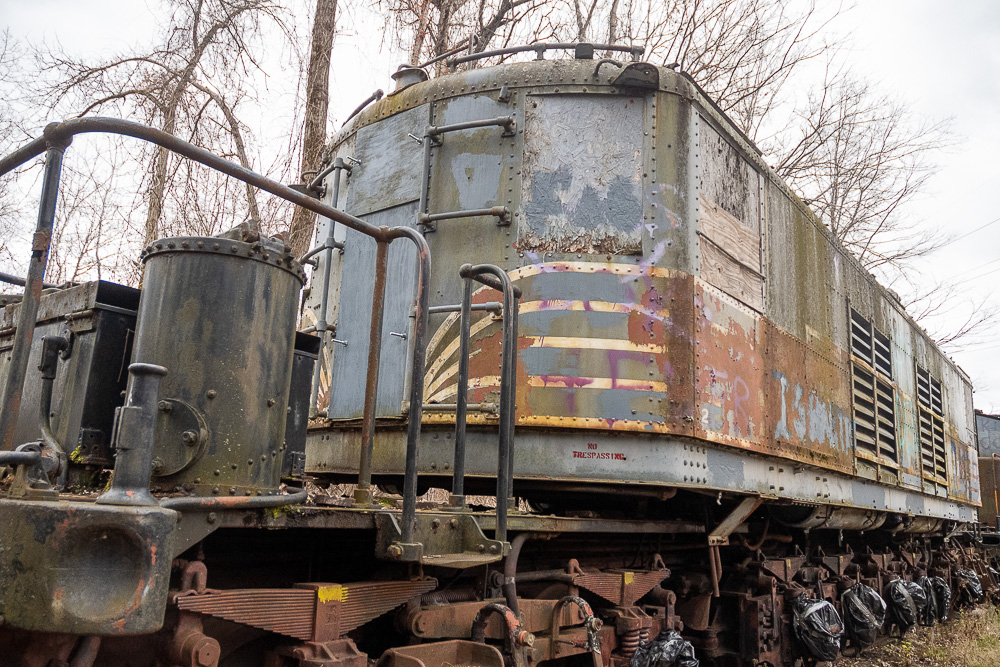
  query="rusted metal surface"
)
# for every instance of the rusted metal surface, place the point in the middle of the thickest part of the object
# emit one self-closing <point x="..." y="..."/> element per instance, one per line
<point x="455" y="652"/>
<point x="516" y="638"/>
<point x="619" y="587"/>
<point x="189" y="646"/>
<point x="311" y="612"/>
<point x="98" y="319"/>
<point x="729" y="371"/>
<point x="455" y="619"/>
<point x="223" y="435"/>
<point x="336" y="653"/>
<point x="81" y="568"/>
<point x="582" y="174"/>
<point x="807" y="399"/>
<point x="579" y="379"/>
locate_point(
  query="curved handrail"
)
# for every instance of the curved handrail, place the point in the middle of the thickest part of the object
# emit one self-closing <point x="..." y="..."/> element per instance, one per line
<point x="541" y="47"/>
<point x="57" y="137"/>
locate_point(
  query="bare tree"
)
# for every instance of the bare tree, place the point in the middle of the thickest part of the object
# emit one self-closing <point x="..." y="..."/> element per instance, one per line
<point x="11" y="133"/>
<point x="427" y="29"/>
<point x="191" y="85"/>
<point x="954" y="319"/>
<point x="857" y="157"/>
<point x="317" y="107"/>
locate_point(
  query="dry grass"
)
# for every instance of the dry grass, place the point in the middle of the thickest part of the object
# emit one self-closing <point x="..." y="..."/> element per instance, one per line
<point x="970" y="639"/>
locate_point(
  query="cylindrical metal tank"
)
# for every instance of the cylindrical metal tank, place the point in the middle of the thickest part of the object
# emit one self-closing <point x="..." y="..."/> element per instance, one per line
<point x="219" y="314"/>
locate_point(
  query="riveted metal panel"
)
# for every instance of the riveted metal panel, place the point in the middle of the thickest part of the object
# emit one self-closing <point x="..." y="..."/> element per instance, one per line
<point x="807" y="399"/>
<point x="727" y="177"/>
<point x="472" y="169"/>
<point x="581" y="181"/>
<point x="601" y="345"/>
<point x="670" y="159"/>
<point x="802" y="272"/>
<point x="548" y="455"/>
<point x="354" y="319"/>
<point x="782" y="283"/>
<point x="468" y="165"/>
<point x="905" y="354"/>
<point x="389" y="172"/>
<point x="315" y="295"/>
<point x="729" y="370"/>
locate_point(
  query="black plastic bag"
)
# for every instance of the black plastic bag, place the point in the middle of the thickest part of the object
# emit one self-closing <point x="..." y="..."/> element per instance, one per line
<point x="929" y="616"/>
<point x="970" y="590"/>
<point x="818" y="627"/>
<point x="942" y="595"/>
<point x="864" y="614"/>
<point x="669" y="649"/>
<point x="906" y="601"/>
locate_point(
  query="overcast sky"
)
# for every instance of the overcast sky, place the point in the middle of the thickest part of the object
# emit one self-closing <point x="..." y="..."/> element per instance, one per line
<point x="943" y="59"/>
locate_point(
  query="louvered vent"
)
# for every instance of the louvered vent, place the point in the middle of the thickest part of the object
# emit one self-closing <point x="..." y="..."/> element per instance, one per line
<point x="932" y="449"/>
<point x="874" y="393"/>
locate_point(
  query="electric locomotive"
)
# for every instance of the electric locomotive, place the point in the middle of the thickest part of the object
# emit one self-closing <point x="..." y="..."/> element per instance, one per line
<point x="640" y="390"/>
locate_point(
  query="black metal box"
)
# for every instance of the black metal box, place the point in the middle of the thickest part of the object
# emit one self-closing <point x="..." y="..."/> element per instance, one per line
<point x="98" y="319"/>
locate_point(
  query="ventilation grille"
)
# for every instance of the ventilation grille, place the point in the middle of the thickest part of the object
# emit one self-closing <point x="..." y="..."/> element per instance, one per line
<point x="874" y="395"/>
<point x="932" y="448"/>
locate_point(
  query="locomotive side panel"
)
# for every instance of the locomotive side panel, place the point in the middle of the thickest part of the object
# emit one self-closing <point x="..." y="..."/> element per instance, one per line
<point x="742" y="322"/>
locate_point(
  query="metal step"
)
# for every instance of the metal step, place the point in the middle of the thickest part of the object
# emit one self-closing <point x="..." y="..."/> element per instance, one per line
<point x="442" y="539"/>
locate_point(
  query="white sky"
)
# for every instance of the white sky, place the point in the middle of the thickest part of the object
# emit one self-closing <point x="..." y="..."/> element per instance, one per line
<point x="943" y="59"/>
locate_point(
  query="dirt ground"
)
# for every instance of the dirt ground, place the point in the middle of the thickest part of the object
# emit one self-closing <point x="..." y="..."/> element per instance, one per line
<point x="970" y="639"/>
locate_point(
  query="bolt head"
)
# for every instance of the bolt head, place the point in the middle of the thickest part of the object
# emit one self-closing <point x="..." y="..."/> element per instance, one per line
<point x="206" y="653"/>
<point x="394" y="551"/>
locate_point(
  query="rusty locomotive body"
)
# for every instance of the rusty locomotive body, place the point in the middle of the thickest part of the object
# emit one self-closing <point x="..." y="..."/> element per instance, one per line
<point x="657" y="393"/>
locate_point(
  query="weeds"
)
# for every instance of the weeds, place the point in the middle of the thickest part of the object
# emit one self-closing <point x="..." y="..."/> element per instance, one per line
<point x="970" y="639"/>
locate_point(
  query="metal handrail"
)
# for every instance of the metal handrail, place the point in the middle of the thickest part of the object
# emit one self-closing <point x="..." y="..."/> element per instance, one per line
<point x="541" y="47"/>
<point x="54" y="141"/>
<point x="497" y="278"/>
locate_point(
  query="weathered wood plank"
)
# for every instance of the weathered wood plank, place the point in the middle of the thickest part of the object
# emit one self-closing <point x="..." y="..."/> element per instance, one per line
<point x="730" y="276"/>
<point x="730" y="234"/>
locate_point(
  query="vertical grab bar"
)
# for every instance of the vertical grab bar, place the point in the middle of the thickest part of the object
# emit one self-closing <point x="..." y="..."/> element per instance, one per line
<point x="55" y="146"/>
<point x="363" y="494"/>
<point x="462" y="399"/>
<point x="497" y="278"/>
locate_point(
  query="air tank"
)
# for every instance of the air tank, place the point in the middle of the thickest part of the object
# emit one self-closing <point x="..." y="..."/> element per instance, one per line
<point x="219" y="314"/>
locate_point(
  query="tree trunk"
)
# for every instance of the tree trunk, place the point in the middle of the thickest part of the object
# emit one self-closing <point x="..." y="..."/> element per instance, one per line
<point x="317" y="104"/>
